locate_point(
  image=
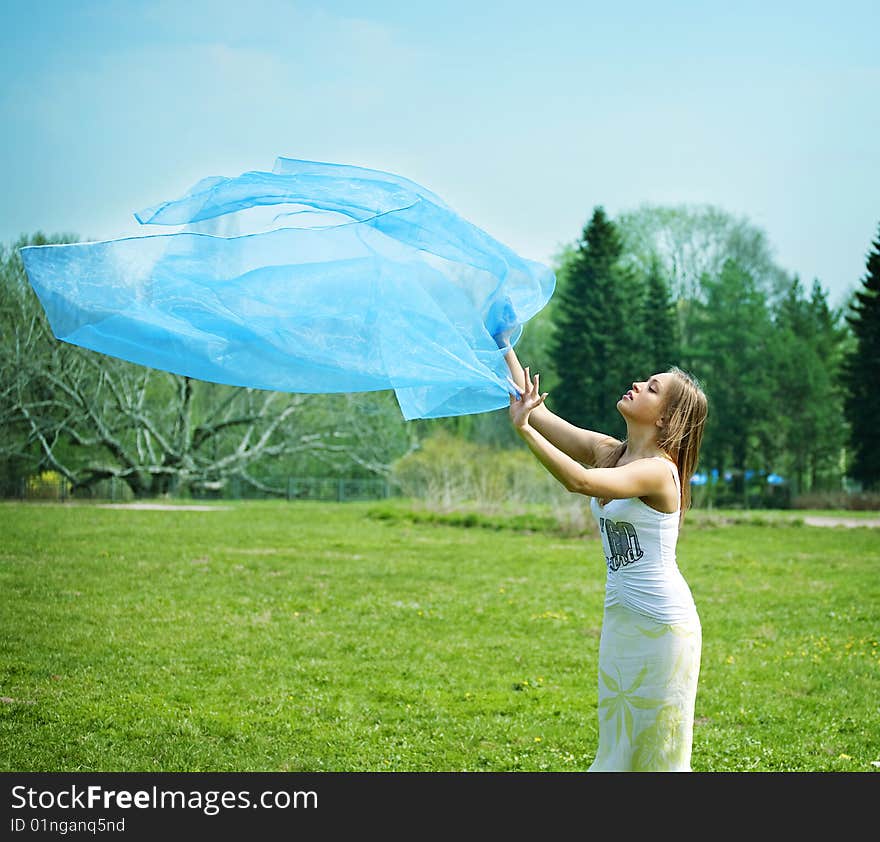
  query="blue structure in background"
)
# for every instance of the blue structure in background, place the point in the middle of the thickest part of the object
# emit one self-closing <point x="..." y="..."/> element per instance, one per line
<point x="703" y="478"/>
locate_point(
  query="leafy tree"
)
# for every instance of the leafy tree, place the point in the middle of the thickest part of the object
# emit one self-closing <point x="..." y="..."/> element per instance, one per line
<point x="862" y="376"/>
<point x="91" y="416"/>
<point x="690" y="242"/>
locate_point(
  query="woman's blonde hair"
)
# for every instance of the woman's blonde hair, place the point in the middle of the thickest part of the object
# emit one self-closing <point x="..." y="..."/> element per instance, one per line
<point x="685" y="413"/>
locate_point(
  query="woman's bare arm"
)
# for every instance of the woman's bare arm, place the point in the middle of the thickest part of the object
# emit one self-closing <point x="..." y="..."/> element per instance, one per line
<point x="583" y="445"/>
<point x="636" y="479"/>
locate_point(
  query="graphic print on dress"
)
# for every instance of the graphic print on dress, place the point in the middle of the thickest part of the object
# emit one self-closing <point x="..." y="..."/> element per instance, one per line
<point x="623" y="542"/>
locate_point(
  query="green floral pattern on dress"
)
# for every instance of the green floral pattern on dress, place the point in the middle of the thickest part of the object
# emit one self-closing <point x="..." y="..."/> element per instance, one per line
<point x="661" y="745"/>
<point x="646" y="716"/>
<point x="621" y="702"/>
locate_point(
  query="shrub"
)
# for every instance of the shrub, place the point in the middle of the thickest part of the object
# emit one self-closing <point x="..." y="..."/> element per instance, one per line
<point x="447" y="471"/>
<point x="47" y="485"/>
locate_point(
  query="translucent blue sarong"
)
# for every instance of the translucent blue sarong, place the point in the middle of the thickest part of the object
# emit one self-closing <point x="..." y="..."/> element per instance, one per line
<point x="314" y="277"/>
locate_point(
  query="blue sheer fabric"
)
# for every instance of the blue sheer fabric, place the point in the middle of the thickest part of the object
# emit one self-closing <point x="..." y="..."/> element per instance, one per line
<point x="314" y="277"/>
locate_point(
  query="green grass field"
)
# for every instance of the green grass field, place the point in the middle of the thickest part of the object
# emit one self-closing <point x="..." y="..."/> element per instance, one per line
<point x="362" y="636"/>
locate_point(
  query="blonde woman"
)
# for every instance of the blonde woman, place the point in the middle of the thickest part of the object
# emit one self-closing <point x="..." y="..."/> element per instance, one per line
<point x="639" y="490"/>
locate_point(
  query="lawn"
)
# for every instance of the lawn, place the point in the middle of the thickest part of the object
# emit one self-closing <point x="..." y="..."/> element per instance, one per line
<point x="364" y="636"/>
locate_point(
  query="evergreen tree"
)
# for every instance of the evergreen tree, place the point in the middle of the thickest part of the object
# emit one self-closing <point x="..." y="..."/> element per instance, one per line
<point x="659" y="339"/>
<point x="733" y="345"/>
<point x="862" y="376"/>
<point x="592" y="322"/>
<point x="832" y="427"/>
<point x="807" y="353"/>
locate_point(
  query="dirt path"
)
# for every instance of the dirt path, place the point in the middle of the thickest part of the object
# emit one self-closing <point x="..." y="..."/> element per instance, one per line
<point x="823" y="520"/>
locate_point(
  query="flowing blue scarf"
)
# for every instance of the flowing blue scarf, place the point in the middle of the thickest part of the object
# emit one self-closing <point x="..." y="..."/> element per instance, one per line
<point x="314" y="277"/>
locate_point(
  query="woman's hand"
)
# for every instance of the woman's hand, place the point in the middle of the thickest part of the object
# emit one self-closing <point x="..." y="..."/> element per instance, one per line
<point x="503" y="322"/>
<point x="522" y="406"/>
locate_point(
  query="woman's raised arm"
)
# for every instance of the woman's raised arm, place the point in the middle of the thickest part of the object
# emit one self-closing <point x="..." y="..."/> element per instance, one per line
<point x="584" y="446"/>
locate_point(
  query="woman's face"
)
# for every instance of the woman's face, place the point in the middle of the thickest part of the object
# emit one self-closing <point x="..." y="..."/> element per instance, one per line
<point x="644" y="402"/>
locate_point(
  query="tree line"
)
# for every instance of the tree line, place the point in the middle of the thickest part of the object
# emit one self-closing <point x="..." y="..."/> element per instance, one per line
<point x="776" y="360"/>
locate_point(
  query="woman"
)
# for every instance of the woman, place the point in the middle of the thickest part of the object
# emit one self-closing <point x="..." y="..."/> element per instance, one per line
<point x="649" y="650"/>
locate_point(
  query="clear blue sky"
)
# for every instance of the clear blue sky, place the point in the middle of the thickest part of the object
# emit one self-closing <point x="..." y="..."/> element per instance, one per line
<point x="522" y="116"/>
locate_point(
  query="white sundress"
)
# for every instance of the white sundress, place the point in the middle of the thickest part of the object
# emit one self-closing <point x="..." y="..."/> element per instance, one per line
<point x="651" y="641"/>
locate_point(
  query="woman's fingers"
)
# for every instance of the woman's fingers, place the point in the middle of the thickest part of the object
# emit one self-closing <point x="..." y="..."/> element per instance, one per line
<point x="532" y="387"/>
<point x="531" y="383"/>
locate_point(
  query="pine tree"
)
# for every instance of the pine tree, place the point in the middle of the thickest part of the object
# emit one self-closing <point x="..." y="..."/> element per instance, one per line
<point x="590" y="332"/>
<point x="659" y="323"/>
<point x="805" y="356"/>
<point x="733" y="340"/>
<point x="862" y="376"/>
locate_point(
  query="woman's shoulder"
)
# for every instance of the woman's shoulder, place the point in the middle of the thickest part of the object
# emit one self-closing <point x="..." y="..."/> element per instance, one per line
<point x="621" y="462"/>
<point x="660" y="501"/>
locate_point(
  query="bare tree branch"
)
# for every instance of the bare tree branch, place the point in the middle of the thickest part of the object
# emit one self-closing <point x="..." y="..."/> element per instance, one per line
<point x="90" y="416"/>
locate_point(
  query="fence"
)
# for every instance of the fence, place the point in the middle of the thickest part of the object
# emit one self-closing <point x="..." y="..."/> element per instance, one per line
<point x="53" y="486"/>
